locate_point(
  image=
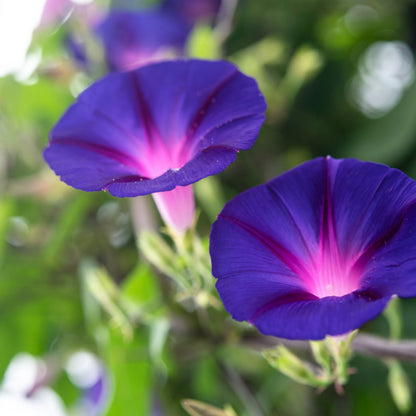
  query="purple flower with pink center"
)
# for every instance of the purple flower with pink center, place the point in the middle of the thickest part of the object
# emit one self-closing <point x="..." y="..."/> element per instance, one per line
<point x="136" y="38"/>
<point x="157" y="129"/>
<point x="319" y="250"/>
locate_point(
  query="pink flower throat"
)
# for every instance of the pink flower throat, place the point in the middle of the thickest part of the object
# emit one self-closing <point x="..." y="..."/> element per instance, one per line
<point x="332" y="276"/>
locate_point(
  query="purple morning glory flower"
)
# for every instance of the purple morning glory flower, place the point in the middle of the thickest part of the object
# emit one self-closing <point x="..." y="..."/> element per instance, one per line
<point x="193" y="10"/>
<point x="135" y="38"/>
<point x="158" y="128"/>
<point x="319" y="250"/>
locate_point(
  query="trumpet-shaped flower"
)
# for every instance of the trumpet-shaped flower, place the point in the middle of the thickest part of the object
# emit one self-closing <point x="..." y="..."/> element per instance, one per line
<point x="159" y="128"/>
<point x="135" y="38"/>
<point x="319" y="250"/>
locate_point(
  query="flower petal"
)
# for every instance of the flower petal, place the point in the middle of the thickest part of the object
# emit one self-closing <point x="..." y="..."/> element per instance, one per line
<point x="209" y="162"/>
<point x="250" y="273"/>
<point x="176" y="207"/>
<point x="89" y="167"/>
<point x="368" y="199"/>
<point x="216" y="93"/>
<point x="286" y="211"/>
<point x="161" y="126"/>
<point x="392" y="267"/>
<point x="315" y="319"/>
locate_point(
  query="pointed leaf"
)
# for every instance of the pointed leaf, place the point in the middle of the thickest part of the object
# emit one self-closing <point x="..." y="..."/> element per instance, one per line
<point x="196" y="408"/>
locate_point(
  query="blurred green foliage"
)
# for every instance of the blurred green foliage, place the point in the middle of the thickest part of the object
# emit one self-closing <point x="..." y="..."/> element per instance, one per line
<point x="304" y="56"/>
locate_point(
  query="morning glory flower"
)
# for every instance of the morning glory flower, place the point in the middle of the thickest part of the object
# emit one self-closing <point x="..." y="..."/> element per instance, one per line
<point x="135" y="38"/>
<point x="193" y="10"/>
<point x="158" y="128"/>
<point x="319" y="250"/>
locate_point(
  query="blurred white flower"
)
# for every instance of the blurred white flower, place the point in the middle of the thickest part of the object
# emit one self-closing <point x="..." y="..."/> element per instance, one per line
<point x="385" y="71"/>
<point x="18" y="20"/>
<point x="22" y="393"/>
<point x="87" y="372"/>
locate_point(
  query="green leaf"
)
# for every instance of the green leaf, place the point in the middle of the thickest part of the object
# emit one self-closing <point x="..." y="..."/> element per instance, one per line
<point x="210" y="195"/>
<point x="159" y="332"/>
<point x="42" y="102"/>
<point x="394" y="318"/>
<point x="132" y="373"/>
<point x="158" y="252"/>
<point x="322" y="355"/>
<point x="282" y="359"/>
<point x="305" y="64"/>
<point x="340" y="350"/>
<point x="72" y="216"/>
<point x="6" y="210"/>
<point x="106" y="293"/>
<point x="141" y="285"/>
<point x="399" y="386"/>
<point x="204" y="43"/>
<point x="196" y="408"/>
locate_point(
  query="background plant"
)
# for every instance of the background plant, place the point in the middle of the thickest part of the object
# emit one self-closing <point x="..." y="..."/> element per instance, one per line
<point x="71" y="275"/>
